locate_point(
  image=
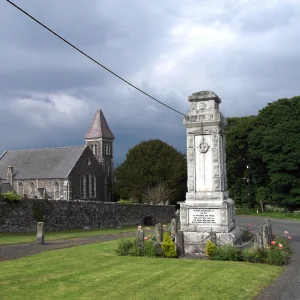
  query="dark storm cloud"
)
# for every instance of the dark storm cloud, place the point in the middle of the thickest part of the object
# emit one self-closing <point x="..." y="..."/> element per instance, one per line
<point x="245" y="51"/>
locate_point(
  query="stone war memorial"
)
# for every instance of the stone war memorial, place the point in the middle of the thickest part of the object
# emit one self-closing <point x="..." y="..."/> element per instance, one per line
<point x="207" y="211"/>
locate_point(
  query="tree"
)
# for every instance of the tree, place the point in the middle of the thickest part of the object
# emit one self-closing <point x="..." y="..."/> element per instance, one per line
<point x="149" y="163"/>
<point x="269" y="144"/>
<point x="237" y="160"/>
<point x="159" y="194"/>
<point x="274" y="147"/>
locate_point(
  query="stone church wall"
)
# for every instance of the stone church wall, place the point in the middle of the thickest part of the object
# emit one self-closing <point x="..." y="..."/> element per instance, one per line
<point x="75" y="214"/>
<point x="56" y="188"/>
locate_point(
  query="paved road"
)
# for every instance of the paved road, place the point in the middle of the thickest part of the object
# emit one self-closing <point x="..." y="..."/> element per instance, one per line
<point x="287" y="286"/>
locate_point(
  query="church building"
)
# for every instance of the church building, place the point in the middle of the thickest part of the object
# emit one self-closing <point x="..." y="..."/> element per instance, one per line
<point x="65" y="173"/>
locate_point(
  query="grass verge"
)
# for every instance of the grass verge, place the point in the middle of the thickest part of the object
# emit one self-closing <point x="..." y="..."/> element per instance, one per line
<point x="95" y="272"/>
<point x="276" y="215"/>
<point x="14" y="238"/>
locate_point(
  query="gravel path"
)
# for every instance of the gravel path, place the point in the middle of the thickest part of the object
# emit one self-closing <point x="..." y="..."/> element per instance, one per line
<point x="20" y="250"/>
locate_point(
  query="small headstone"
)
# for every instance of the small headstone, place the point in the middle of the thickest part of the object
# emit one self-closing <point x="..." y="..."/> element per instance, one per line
<point x="40" y="233"/>
<point x="179" y="241"/>
<point x="174" y="226"/>
<point x="158" y="233"/>
<point x="87" y="228"/>
<point x="258" y="243"/>
<point x="213" y="237"/>
<point x="140" y="238"/>
<point x="270" y="230"/>
<point x="266" y="232"/>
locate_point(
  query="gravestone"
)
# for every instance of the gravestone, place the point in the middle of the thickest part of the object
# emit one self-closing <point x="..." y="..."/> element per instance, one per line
<point x="140" y="238"/>
<point x="258" y="240"/>
<point x="158" y="233"/>
<point x="179" y="242"/>
<point x="40" y="233"/>
<point x="174" y="226"/>
<point x="266" y="233"/>
<point x="207" y="207"/>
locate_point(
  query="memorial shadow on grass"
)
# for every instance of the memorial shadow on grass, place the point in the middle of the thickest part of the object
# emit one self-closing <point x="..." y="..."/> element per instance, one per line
<point x="95" y="272"/>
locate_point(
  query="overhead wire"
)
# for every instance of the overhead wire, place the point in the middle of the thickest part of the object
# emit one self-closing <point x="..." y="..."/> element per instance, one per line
<point x="92" y="59"/>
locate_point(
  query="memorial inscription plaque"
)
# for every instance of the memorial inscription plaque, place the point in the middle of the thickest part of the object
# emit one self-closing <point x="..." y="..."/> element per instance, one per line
<point x="204" y="216"/>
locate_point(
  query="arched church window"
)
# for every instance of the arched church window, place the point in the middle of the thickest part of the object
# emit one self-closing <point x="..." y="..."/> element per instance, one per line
<point x="21" y="188"/>
<point x="31" y="188"/>
<point x="82" y="187"/>
<point x="94" y="186"/>
<point x="108" y="149"/>
<point x="87" y="185"/>
<point x="56" y="190"/>
<point x="96" y="150"/>
<point x="107" y="169"/>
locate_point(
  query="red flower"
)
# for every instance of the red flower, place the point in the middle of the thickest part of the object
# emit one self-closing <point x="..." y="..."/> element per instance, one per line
<point x="249" y="225"/>
<point x="280" y="246"/>
<point x="146" y="238"/>
<point x="273" y="243"/>
<point x="285" y="232"/>
<point x="289" y="237"/>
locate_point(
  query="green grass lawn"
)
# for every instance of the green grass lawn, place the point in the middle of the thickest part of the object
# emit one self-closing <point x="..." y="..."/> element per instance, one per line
<point x="95" y="272"/>
<point x="13" y="238"/>
<point x="276" y="215"/>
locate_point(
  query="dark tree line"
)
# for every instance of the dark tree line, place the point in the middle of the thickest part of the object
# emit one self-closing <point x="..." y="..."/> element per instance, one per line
<point x="269" y="144"/>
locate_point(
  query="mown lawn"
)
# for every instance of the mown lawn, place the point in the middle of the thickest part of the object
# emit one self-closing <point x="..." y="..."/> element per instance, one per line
<point x="95" y="272"/>
<point x="13" y="238"/>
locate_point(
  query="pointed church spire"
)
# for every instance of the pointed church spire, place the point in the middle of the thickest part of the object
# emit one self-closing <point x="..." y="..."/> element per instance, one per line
<point x="99" y="127"/>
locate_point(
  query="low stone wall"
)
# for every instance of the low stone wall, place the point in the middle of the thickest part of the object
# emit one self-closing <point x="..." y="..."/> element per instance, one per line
<point x="76" y="214"/>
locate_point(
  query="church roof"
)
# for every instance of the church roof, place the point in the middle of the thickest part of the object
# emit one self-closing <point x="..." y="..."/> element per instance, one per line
<point x="99" y="127"/>
<point x="40" y="163"/>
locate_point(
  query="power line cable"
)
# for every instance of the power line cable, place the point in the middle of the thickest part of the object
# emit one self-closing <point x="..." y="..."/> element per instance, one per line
<point x="107" y="69"/>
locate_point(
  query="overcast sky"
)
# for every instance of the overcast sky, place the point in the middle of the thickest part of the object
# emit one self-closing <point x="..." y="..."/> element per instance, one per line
<point x="247" y="52"/>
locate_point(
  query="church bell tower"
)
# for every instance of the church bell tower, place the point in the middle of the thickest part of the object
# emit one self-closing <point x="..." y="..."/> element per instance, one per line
<point x="100" y="139"/>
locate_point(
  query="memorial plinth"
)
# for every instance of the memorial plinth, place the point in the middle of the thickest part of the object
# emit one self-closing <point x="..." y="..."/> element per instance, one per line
<point x="208" y="207"/>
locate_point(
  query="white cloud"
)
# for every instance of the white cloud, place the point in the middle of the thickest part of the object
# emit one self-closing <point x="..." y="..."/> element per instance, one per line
<point x="44" y="110"/>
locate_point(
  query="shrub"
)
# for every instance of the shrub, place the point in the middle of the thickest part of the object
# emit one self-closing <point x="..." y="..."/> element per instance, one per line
<point x="10" y="196"/>
<point x="283" y="241"/>
<point x="277" y="257"/>
<point x="152" y="249"/>
<point x="227" y="253"/>
<point x="168" y="246"/>
<point x="253" y="255"/>
<point x="210" y="248"/>
<point x="159" y="193"/>
<point x="129" y="201"/>
<point x="126" y="246"/>
<point x="244" y="210"/>
<point x="278" y="252"/>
